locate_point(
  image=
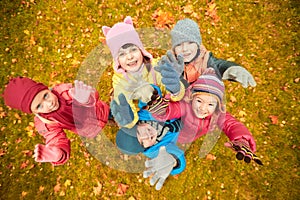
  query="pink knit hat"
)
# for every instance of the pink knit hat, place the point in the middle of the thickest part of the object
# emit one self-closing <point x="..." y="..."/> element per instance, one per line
<point x="120" y="34"/>
<point x="20" y="92"/>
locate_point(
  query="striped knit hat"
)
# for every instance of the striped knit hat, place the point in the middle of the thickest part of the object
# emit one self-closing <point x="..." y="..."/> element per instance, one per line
<point x="209" y="83"/>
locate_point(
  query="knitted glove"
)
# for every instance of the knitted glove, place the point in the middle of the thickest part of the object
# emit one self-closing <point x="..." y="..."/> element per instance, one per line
<point x="241" y="146"/>
<point x="139" y="89"/>
<point x="170" y="78"/>
<point x="47" y="153"/>
<point x="240" y="75"/>
<point x="81" y="92"/>
<point x="177" y="64"/>
<point x="161" y="167"/>
<point x="122" y="113"/>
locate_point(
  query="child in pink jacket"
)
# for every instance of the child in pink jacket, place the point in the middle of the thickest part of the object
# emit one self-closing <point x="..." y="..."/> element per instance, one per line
<point x="77" y="109"/>
<point x="201" y="111"/>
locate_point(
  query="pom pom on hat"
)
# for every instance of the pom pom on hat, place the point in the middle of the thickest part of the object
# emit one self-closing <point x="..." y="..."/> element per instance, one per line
<point x="185" y="30"/>
<point x="120" y="34"/>
<point x="20" y="92"/>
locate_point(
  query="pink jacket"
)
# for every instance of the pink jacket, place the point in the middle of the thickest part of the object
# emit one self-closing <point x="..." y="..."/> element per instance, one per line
<point x="95" y="117"/>
<point x="193" y="127"/>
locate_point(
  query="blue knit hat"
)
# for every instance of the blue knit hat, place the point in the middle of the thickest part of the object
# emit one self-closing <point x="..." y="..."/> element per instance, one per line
<point x="185" y="30"/>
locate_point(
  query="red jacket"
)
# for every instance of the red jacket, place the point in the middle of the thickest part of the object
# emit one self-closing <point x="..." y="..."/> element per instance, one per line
<point x="193" y="127"/>
<point x="94" y="116"/>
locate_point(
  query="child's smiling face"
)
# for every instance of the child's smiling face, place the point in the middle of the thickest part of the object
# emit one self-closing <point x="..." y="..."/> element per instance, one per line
<point x="187" y="49"/>
<point x="146" y="135"/>
<point x="204" y="104"/>
<point x="130" y="58"/>
<point x="44" y="102"/>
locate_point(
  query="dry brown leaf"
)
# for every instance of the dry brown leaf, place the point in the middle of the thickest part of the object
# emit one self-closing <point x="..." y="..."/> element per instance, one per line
<point x="188" y="9"/>
<point x="41" y="188"/>
<point x="211" y="11"/>
<point x="232" y="99"/>
<point x="67" y="183"/>
<point x="97" y="190"/>
<point x="122" y="188"/>
<point x="56" y="188"/>
<point x="24" y="164"/>
<point x="274" y="119"/>
<point x="163" y="19"/>
<point x="210" y="157"/>
<point x="2" y="152"/>
<point x="24" y="193"/>
<point x="32" y="40"/>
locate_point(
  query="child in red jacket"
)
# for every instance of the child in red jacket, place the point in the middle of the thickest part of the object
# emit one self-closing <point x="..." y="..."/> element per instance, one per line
<point x="201" y="111"/>
<point x="77" y="109"/>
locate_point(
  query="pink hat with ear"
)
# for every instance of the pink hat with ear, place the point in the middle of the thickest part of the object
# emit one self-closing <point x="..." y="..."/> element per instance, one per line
<point x="120" y="34"/>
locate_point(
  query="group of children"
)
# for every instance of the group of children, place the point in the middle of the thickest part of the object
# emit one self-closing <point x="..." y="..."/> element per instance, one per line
<point x="156" y="107"/>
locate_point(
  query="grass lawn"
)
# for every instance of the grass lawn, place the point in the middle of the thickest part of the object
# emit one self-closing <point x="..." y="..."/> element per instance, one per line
<point x="60" y="41"/>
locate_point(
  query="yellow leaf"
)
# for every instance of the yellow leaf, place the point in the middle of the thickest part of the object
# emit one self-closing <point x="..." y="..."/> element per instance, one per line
<point x="242" y="113"/>
<point x="32" y="40"/>
<point x="41" y="189"/>
<point x="97" y="189"/>
<point x="188" y="9"/>
<point x="67" y="183"/>
<point x="232" y="99"/>
<point x="40" y="49"/>
<point x="24" y="193"/>
<point x="69" y="55"/>
<point x="26" y="32"/>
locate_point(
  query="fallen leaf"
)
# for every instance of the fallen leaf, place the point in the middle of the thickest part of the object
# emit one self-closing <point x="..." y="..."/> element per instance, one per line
<point x="14" y="60"/>
<point x="274" y="119"/>
<point x="67" y="183"/>
<point x="18" y="140"/>
<point x="210" y="157"/>
<point x="56" y="188"/>
<point x="32" y="40"/>
<point x="26" y="32"/>
<point x="232" y="99"/>
<point x="17" y="116"/>
<point x="41" y="188"/>
<point x="122" y="188"/>
<point x="98" y="188"/>
<point x="162" y="19"/>
<point x="211" y="11"/>
<point x="242" y="113"/>
<point x="40" y="49"/>
<point x="2" y="152"/>
<point x="69" y="55"/>
<point x="188" y="9"/>
<point x="24" y="164"/>
<point x="24" y="193"/>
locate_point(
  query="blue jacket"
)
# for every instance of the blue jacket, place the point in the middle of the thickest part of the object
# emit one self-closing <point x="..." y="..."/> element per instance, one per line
<point x="168" y="140"/>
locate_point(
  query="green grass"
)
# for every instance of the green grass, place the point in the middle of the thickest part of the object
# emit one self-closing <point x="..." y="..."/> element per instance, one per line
<point x="55" y="41"/>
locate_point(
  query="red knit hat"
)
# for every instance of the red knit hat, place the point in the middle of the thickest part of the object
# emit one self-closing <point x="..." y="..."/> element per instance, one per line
<point x="20" y="92"/>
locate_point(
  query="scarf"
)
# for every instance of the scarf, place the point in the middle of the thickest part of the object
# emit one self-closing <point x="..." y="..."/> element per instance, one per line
<point x="195" y="68"/>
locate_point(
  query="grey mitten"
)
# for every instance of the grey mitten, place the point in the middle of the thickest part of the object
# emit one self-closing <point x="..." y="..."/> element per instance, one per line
<point x="177" y="64"/>
<point x="240" y="75"/>
<point x="140" y="89"/>
<point x="161" y="167"/>
<point x="170" y="78"/>
<point x="122" y="112"/>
